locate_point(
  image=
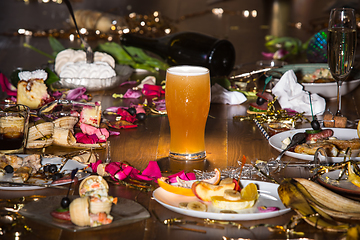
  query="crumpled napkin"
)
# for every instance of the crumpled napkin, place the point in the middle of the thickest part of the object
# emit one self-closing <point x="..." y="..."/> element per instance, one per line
<point x="222" y="95"/>
<point x="290" y="94"/>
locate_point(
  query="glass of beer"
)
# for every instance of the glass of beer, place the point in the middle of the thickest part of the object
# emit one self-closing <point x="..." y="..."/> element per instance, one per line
<point x="187" y="98"/>
<point x="14" y="119"/>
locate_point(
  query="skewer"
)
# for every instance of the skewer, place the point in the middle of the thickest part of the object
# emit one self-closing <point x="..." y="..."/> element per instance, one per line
<point x="250" y="73"/>
<point x="263" y="131"/>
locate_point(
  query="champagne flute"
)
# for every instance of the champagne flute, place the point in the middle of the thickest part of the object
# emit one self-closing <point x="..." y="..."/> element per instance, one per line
<point x="341" y="46"/>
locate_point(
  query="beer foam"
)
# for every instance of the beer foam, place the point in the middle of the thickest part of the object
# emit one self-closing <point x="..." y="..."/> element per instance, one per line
<point x="188" y="70"/>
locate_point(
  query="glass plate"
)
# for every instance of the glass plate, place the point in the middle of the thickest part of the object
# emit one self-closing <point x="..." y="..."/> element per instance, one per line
<point x="268" y="197"/>
<point x="330" y="180"/>
<point x="124" y="212"/>
<point x="68" y="167"/>
<point x="123" y="72"/>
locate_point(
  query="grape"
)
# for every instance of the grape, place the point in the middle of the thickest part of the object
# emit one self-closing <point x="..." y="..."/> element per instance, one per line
<point x="131" y="110"/>
<point x="65" y="202"/>
<point x="9" y="169"/>
<point x="315" y="124"/>
<point x="141" y="116"/>
<point x="260" y="101"/>
<point x="52" y="168"/>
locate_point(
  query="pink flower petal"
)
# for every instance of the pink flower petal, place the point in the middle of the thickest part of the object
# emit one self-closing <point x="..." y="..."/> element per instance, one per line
<point x="160" y="105"/>
<point x="57" y="94"/>
<point x="150" y="80"/>
<point x="76" y="94"/>
<point x="268" y="55"/>
<point x="128" y="82"/>
<point x="101" y="133"/>
<point x="113" y="109"/>
<point x="6" y="86"/>
<point x="152" y="170"/>
<point x="182" y="175"/>
<point x="86" y="139"/>
<point x="132" y="94"/>
<point x="114" y="133"/>
<point x="95" y="165"/>
<point x="140" y="109"/>
<point x="281" y="53"/>
<point x="152" y="90"/>
<point x="268" y="209"/>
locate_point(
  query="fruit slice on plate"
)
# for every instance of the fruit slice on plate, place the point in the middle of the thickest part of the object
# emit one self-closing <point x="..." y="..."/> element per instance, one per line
<point x="215" y="179"/>
<point x="250" y="192"/>
<point x="204" y="191"/>
<point x="249" y="195"/>
<point x="197" y="206"/>
<point x="175" y="189"/>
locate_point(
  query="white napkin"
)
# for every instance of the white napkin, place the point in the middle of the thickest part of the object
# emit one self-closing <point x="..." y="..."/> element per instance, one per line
<point x="222" y="95"/>
<point x="290" y="94"/>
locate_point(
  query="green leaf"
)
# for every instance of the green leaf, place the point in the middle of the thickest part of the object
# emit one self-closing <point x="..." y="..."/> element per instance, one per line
<point x="141" y="56"/>
<point x="55" y="45"/>
<point x="138" y="58"/>
<point x="52" y="77"/>
<point x="38" y="50"/>
<point x="117" y="52"/>
<point x="14" y="77"/>
<point x="222" y="81"/>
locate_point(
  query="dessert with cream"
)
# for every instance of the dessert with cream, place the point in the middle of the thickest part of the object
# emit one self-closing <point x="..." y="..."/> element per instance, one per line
<point x="31" y="89"/>
<point x="71" y="63"/>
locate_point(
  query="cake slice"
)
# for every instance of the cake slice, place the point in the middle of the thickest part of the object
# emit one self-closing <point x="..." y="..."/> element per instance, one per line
<point x="31" y="89"/>
<point x="91" y="115"/>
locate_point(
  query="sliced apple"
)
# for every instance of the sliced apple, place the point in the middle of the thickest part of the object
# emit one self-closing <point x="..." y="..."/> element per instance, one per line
<point x="204" y="191"/>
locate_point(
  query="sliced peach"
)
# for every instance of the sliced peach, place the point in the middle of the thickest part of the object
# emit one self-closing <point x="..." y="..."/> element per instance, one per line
<point x="215" y="179"/>
<point x="204" y="191"/>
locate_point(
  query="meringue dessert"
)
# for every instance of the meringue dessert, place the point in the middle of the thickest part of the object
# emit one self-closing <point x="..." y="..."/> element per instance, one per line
<point x="31" y="89"/>
<point x="71" y="63"/>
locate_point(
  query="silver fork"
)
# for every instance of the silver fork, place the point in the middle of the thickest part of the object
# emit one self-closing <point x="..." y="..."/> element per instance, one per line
<point x="88" y="50"/>
<point x="277" y="164"/>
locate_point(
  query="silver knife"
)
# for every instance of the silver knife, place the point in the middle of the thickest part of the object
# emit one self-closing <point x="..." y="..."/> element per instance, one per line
<point x="33" y="184"/>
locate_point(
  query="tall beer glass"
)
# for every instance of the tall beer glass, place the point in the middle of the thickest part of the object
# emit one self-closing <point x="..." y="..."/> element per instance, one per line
<point x="187" y="98"/>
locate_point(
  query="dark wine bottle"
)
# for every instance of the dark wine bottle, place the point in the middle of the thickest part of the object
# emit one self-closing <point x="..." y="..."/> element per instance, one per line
<point x="189" y="48"/>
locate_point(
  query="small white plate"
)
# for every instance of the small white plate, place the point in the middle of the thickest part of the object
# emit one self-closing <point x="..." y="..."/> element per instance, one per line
<point x="340" y="133"/>
<point x="268" y="197"/>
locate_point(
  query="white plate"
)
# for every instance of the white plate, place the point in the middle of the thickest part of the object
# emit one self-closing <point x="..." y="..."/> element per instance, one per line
<point x="341" y="133"/>
<point x="268" y="197"/>
<point x="327" y="90"/>
<point x="68" y="167"/>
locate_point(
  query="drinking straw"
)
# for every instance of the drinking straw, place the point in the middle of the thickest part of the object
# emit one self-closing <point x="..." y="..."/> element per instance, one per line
<point x="262" y="130"/>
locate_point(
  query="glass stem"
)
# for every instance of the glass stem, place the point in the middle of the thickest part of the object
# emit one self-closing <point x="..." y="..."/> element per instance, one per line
<point x="339" y="83"/>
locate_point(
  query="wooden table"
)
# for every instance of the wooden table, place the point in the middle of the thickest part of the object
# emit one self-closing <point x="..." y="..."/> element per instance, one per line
<point x="227" y="140"/>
